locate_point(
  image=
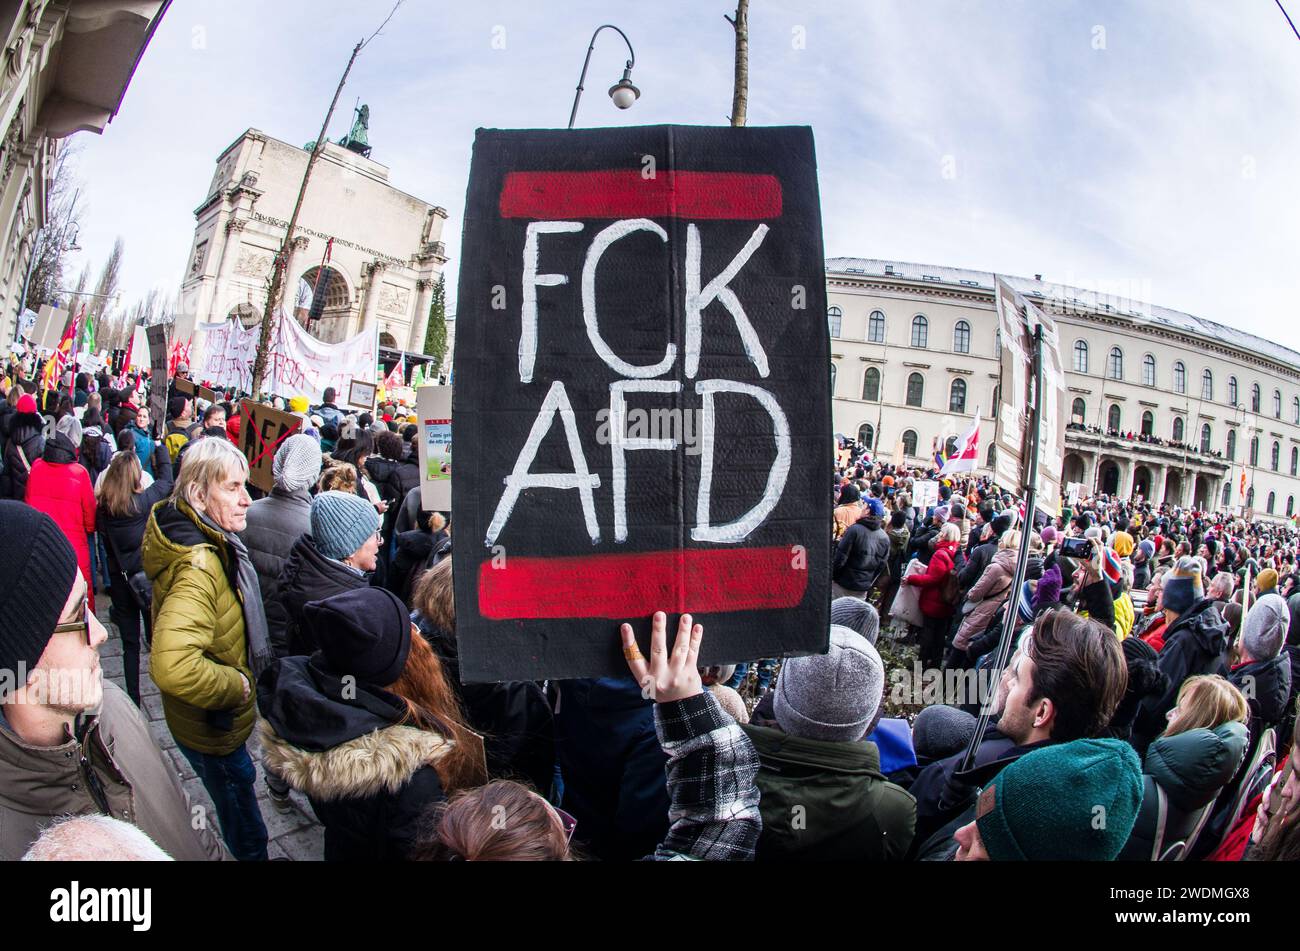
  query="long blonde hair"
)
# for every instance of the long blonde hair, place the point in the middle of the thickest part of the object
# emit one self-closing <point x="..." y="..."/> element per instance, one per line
<point x="122" y="480"/>
<point x="1206" y="701"/>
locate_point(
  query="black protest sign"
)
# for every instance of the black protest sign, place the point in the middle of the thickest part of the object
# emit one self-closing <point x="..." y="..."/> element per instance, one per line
<point x="261" y="431"/>
<point x="643" y="397"/>
<point x="157" y="337"/>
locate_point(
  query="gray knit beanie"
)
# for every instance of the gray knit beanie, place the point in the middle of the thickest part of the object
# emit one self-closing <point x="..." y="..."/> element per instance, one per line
<point x="857" y="615"/>
<point x="341" y="523"/>
<point x="297" y="463"/>
<point x="833" y="696"/>
<point x="941" y="731"/>
<point x="1264" y="631"/>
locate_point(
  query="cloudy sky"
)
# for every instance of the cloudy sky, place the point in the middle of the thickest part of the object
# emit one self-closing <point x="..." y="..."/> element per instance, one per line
<point x="1150" y="143"/>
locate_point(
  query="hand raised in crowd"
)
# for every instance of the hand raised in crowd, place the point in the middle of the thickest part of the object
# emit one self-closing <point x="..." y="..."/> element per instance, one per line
<point x="666" y="676"/>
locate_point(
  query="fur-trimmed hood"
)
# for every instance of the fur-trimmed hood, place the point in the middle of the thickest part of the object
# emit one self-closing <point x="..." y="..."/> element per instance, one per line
<point x="384" y="760"/>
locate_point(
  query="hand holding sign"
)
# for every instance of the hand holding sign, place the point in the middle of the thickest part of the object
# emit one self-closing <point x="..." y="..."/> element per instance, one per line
<point x="666" y="677"/>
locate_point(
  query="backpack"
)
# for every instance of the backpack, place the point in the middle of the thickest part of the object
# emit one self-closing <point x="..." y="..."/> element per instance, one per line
<point x="175" y="442"/>
<point x="950" y="587"/>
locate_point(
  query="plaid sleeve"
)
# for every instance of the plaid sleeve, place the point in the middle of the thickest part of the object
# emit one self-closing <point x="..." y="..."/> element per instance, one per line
<point x="712" y="766"/>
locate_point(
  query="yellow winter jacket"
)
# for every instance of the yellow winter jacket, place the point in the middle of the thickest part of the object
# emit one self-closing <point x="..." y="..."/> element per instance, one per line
<point x="199" y="646"/>
<point x="1124" y="615"/>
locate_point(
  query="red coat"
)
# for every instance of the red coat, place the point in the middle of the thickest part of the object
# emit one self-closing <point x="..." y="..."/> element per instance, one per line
<point x="64" y="493"/>
<point x="931" y="581"/>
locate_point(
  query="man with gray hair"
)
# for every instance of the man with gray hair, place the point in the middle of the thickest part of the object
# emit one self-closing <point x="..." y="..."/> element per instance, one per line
<point x="94" y="839"/>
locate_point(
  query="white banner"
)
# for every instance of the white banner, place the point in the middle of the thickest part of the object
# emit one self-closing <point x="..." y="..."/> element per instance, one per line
<point x="298" y="364"/>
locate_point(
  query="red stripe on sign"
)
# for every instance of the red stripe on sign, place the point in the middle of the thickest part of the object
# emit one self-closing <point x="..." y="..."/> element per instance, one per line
<point x="636" y="585"/>
<point x="624" y="193"/>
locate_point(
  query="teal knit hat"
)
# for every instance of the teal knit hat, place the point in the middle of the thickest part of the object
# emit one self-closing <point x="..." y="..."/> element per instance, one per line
<point x="341" y="523"/>
<point x="1075" y="800"/>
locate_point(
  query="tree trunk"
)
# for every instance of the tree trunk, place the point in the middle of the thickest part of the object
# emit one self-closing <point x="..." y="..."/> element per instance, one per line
<point x="740" y="94"/>
<point x="276" y="288"/>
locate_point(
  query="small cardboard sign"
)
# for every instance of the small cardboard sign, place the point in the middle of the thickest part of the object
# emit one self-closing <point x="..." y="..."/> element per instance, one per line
<point x="261" y="431"/>
<point x="433" y="409"/>
<point x="184" y="386"/>
<point x="361" y="395"/>
<point x="925" y="493"/>
<point x="206" y="394"/>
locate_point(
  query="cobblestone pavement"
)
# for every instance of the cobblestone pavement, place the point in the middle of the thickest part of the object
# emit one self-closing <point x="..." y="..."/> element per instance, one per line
<point x="294" y="834"/>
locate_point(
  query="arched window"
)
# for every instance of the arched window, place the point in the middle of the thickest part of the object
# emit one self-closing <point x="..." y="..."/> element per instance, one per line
<point x="1207" y="385"/>
<point x="1295" y="411"/>
<point x="1272" y="500"/>
<point x="1277" y="404"/>
<point x="915" y="389"/>
<point x="909" y="442"/>
<point x="957" y="397"/>
<point x="997" y="398"/>
<point x="1205" y="438"/>
<point x="1148" y="423"/>
<point x="1232" y="391"/>
<point x="1112" y="417"/>
<point x="1115" y="364"/>
<point x="871" y="385"/>
<point x="1250" y="497"/>
<point x="867" y="435"/>
<point x="991" y="457"/>
<point x="876" y="327"/>
<point x="1254" y="450"/>
<point x="1179" y="429"/>
<point x="961" y="337"/>
<point x="997" y="348"/>
<point x="1078" y="410"/>
<point x="1080" y="356"/>
<point x="1290" y="505"/>
<point x="1180" y="377"/>
<point x="950" y="447"/>
<point x="1148" y="370"/>
<point x="920" y="331"/>
<point x="1227" y="490"/>
<point x="834" y="317"/>
<point x="834" y="371"/>
<point x="1276" y="459"/>
<point x="1254" y="398"/>
<point x="1232" y="445"/>
<point x="1295" y="460"/>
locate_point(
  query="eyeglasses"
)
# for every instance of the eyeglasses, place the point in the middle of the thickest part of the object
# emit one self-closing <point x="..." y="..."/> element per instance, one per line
<point x="83" y="625"/>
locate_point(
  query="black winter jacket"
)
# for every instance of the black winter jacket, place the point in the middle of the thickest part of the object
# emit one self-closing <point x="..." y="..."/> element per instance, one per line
<point x="26" y="433"/>
<point x="1267" y="687"/>
<point x="1194" y="644"/>
<point x="513" y="718"/>
<point x="126" y="533"/>
<point x="862" y="554"/>
<point x="307" y="576"/>
<point x="369" y="777"/>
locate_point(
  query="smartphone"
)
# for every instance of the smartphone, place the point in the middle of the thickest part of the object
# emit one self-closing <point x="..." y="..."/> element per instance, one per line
<point x="1080" y="548"/>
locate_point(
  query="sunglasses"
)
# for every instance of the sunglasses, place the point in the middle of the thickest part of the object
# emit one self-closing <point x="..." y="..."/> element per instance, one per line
<point x="83" y="625"/>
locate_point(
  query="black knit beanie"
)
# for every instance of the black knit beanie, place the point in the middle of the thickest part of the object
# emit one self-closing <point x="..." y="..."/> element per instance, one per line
<point x="365" y="632"/>
<point x="39" y="569"/>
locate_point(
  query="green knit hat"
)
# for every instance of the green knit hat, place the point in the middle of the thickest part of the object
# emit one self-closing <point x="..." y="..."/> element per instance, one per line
<point x="1074" y="801"/>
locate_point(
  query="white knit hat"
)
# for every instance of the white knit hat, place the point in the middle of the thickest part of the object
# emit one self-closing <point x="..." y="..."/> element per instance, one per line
<point x="297" y="463"/>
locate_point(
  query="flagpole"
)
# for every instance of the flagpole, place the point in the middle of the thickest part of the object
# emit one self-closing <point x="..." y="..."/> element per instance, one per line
<point x="1022" y="558"/>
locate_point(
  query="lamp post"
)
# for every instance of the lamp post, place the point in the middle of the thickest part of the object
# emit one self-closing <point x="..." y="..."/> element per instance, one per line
<point x="622" y="92"/>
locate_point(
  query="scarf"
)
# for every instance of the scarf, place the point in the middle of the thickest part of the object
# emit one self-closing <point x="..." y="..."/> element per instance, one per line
<point x="257" y="635"/>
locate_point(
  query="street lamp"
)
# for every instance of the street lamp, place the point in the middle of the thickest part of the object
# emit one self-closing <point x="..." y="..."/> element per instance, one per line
<point x="622" y="92"/>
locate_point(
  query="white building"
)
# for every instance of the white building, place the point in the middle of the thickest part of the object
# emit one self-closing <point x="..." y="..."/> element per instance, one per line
<point x="65" y="69"/>
<point x="385" y="258"/>
<point x="914" y="353"/>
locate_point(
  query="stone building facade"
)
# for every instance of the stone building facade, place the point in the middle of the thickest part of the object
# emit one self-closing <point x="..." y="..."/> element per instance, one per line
<point x="915" y="353"/>
<point x="386" y="255"/>
<point x="64" y="68"/>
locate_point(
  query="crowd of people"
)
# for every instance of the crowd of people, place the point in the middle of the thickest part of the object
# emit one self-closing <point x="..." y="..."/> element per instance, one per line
<point x="314" y="626"/>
